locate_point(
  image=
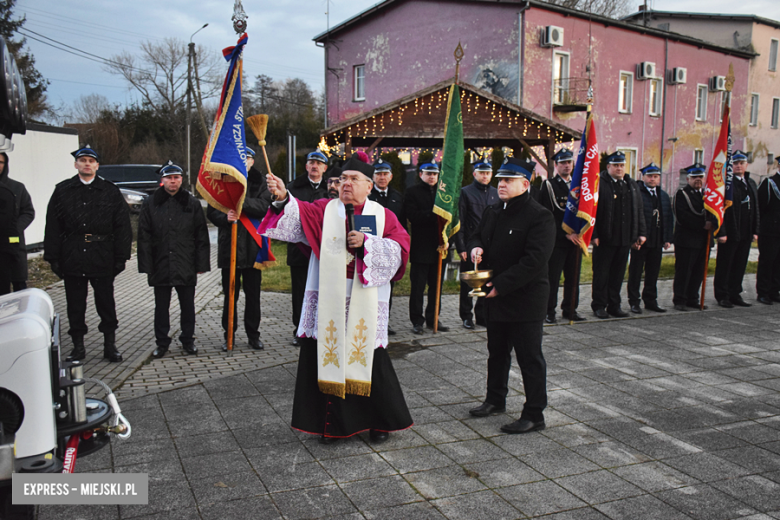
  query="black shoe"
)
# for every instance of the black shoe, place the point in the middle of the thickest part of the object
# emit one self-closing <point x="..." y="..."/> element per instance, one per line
<point x="439" y="327"/>
<point x="775" y="297"/>
<point x="696" y="306"/>
<point x="79" y="352"/>
<point x="328" y="440"/>
<point x="726" y="304"/>
<point x="550" y="318"/>
<point x="468" y="324"/>
<point x="296" y="342"/>
<point x="390" y="331"/>
<point x="636" y="309"/>
<point x="765" y="300"/>
<point x="224" y="346"/>
<point x="159" y="352"/>
<point x="486" y="409"/>
<point x="653" y="306"/>
<point x="190" y="348"/>
<point x="739" y="302"/>
<point x="109" y="348"/>
<point x="417" y="329"/>
<point x="601" y="314"/>
<point x="573" y="316"/>
<point x="523" y="426"/>
<point x="618" y="313"/>
<point x="256" y="344"/>
<point x="378" y="437"/>
<point x="680" y="307"/>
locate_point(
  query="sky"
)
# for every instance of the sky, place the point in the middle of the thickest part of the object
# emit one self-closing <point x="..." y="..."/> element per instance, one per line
<point x="280" y="35"/>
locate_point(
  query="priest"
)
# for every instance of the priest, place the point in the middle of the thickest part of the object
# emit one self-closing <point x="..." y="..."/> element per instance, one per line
<point x="345" y="383"/>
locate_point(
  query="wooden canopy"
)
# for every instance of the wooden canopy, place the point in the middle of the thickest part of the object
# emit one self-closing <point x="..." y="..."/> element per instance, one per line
<point x="417" y="121"/>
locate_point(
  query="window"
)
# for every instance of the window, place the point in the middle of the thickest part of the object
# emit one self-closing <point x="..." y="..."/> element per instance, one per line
<point x="560" y="78"/>
<point x="360" y="82"/>
<point x="754" y="109"/>
<point x="701" y="103"/>
<point x="723" y="100"/>
<point x="656" y="96"/>
<point x="698" y="156"/>
<point x="630" y="154"/>
<point x="775" y="112"/>
<point x="626" y="92"/>
<point x="773" y="55"/>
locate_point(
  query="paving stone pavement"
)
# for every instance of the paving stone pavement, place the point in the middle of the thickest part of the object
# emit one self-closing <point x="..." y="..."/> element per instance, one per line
<point x="672" y="415"/>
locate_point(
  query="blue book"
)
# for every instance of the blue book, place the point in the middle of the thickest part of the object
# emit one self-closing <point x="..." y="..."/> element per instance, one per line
<point x="365" y="224"/>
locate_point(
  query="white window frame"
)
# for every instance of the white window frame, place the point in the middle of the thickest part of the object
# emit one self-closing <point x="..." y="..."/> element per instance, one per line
<point x="658" y="109"/>
<point x="559" y="96"/>
<point x="632" y="156"/>
<point x="705" y="89"/>
<point x="774" y="44"/>
<point x="774" y="123"/>
<point x="630" y="104"/>
<point x="723" y="99"/>
<point x="755" y="99"/>
<point x="698" y="155"/>
<point x="359" y="78"/>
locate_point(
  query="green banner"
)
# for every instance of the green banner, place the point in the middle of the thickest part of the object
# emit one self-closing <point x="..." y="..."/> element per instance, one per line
<point x="451" y="177"/>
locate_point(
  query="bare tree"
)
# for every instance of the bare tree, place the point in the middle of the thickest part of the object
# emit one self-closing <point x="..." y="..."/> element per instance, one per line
<point x="88" y="109"/>
<point x="608" y="8"/>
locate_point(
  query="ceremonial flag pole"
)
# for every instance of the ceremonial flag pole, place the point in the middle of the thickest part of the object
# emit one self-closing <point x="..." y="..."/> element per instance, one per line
<point x="450" y="178"/>
<point x="718" y="190"/>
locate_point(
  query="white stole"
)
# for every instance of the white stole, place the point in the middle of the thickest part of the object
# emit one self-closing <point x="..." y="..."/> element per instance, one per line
<point x="345" y="353"/>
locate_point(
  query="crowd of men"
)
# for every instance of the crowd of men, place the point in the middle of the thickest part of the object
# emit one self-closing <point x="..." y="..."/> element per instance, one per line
<point x="350" y="214"/>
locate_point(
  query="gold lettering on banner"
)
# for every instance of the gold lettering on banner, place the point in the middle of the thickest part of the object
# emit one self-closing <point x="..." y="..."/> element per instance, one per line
<point x="216" y="188"/>
<point x="359" y="344"/>
<point x="330" y="345"/>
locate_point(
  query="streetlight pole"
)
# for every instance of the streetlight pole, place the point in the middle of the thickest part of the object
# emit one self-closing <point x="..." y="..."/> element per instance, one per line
<point x="190" y="57"/>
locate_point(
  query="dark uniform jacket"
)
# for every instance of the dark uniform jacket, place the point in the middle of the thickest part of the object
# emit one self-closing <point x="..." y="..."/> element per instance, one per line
<point x="653" y="218"/>
<point x="740" y="220"/>
<point x="769" y="206"/>
<point x="474" y="198"/>
<point x="20" y="215"/>
<point x="256" y="203"/>
<point x="689" y="211"/>
<point x="517" y="243"/>
<point x="605" y="215"/>
<point x="301" y="188"/>
<point x="418" y="208"/>
<point x="173" y="239"/>
<point x="553" y="196"/>
<point x="394" y="201"/>
<point x="87" y="229"/>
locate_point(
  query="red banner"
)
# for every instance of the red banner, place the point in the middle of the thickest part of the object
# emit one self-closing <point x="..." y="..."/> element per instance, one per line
<point x="717" y="196"/>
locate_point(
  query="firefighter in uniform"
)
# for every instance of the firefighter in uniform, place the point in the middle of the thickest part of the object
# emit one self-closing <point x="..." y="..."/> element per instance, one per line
<point x="768" y="276"/>
<point x="690" y="239"/>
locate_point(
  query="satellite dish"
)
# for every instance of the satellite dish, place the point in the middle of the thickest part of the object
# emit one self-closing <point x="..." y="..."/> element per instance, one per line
<point x="13" y="99"/>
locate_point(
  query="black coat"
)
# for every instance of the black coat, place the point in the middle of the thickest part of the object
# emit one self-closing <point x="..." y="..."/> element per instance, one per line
<point x="743" y="207"/>
<point x="667" y="217"/>
<point x="517" y="242"/>
<point x="23" y="213"/>
<point x="394" y="202"/>
<point x="302" y="189"/>
<point x="76" y="210"/>
<point x="553" y="196"/>
<point x="256" y="203"/>
<point x="173" y="239"/>
<point x="690" y="219"/>
<point x="605" y="211"/>
<point x="769" y="207"/>
<point x="418" y="207"/>
<point x="474" y="198"/>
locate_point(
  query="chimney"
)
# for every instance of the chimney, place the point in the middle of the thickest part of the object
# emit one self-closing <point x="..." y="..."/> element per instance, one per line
<point x="642" y="7"/>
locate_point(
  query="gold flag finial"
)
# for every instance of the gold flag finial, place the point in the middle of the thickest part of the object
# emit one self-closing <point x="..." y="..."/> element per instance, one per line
<point x="458" y="56"/>
<point x="730" y="78"/>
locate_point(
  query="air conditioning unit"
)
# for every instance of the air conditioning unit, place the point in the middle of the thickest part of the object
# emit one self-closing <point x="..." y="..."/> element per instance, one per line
<point x="717" y="83"/>
<point x="553" y="36"/>
<point x="645" y="70"/>
<point x="678" y="76"/>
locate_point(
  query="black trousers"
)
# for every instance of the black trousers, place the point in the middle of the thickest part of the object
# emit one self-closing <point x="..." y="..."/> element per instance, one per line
<point x="526" y="340"/>
<point x="688" y="273"/>
<point x="162" y="318"/>
<point x="467" y="303"/>
<point x="8" y="265"/>
<point x="768" y="275"/>
<point x="730" y="268"/>
<point x="609" y="268"/>
<point x="298" y="275"/>
<point x="649" y="260"/>
<point x="76" y="297"/>
<point x="421" y="275"/>
<point x="251" y="279"/>
<point x="564" y="260"/>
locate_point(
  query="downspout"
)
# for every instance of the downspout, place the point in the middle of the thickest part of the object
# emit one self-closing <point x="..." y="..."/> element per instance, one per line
<point x="663" y="114"/>
<point x="641" y="159"/>
<point x="521" y="57"/>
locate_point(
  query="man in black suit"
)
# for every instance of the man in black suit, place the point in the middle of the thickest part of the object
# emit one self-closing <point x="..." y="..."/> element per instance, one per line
<point x="690" y="239"/>
<point x="309" y="188"/>
<point x="515" y="239"/>
<point x="659" y="221"/>
<point x="736" y="235"/>
<point x="424" y="253"/>
<point x="768" y="276"/>
<point x="474" y="198"/>
<point x="391" y="199"/>
<point x="620" y="224"/>
<point x="566" y="255"/>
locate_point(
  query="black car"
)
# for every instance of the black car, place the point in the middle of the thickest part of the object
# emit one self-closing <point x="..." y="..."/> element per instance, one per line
<point x="137" y="177"/>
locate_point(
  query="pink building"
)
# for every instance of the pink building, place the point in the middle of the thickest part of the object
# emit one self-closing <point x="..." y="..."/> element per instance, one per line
<point x="540" y="57"/>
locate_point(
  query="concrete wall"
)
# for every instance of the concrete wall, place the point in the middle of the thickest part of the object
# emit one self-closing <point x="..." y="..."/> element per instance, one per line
<point x="724" y="32"/>
<point x="40" y="160"/>
<point x="762" y="138"/>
